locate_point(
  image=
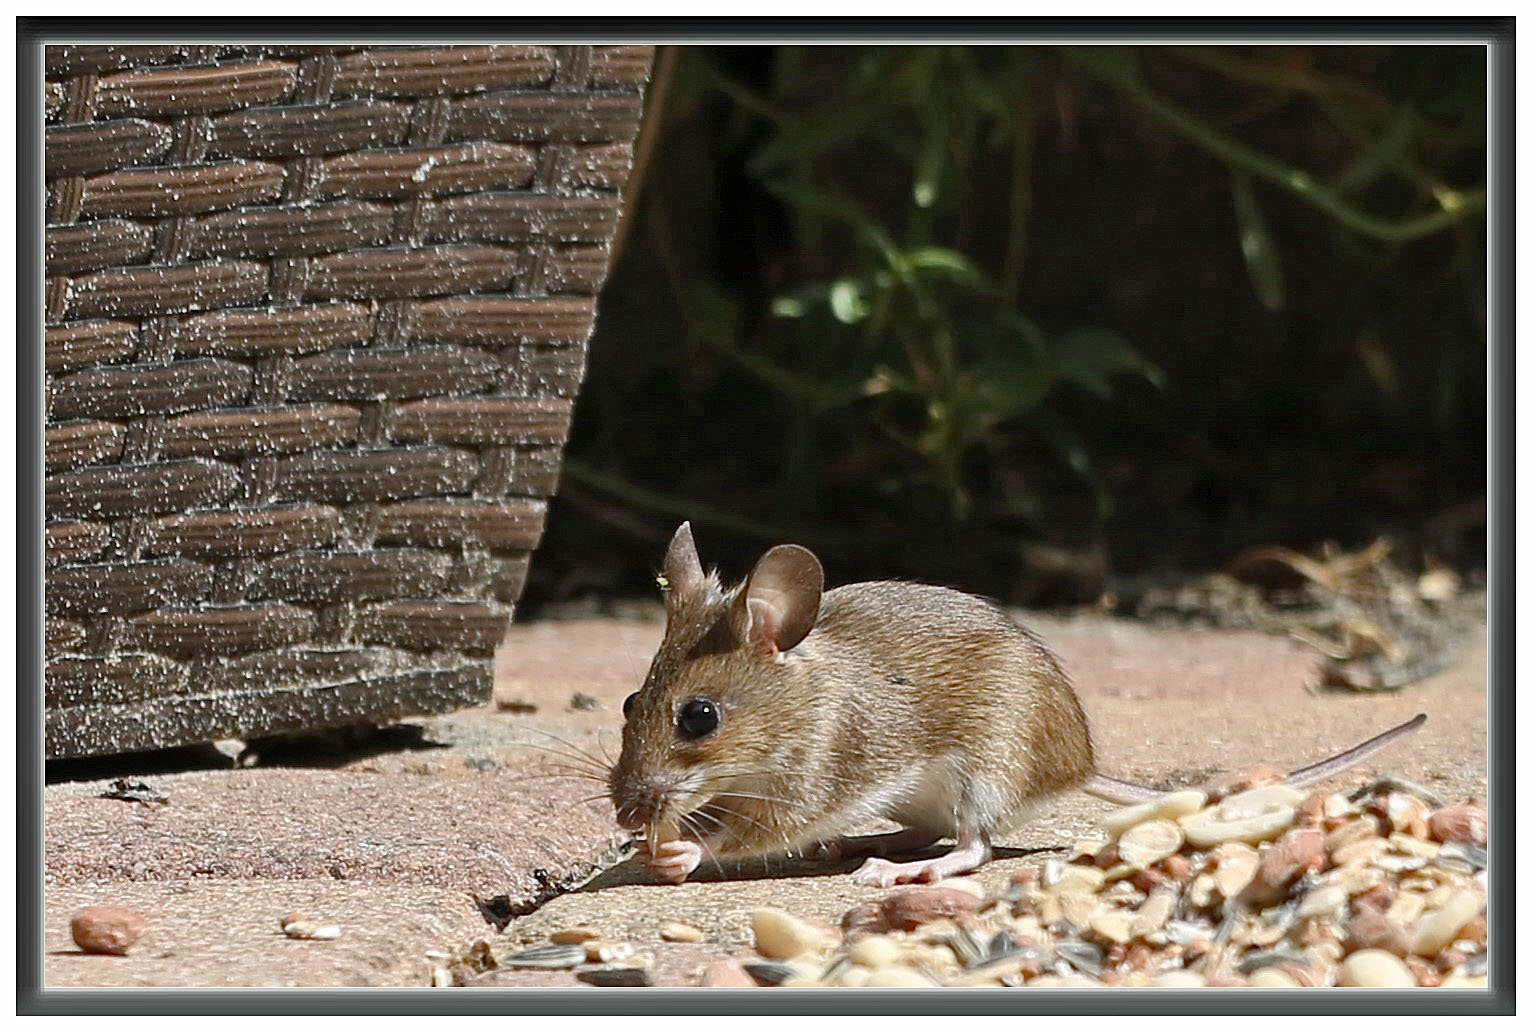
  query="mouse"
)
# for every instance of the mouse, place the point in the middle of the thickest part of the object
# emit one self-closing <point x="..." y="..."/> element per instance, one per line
<point x="777" y="716"/>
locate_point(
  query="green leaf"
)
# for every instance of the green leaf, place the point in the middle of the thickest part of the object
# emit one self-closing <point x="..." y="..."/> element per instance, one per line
<point x="943" y="259"/>
<point x="1256" y="244"/>
<point x="847" y="302"/>
<point x="1090" y="357"/>
<point x="928" y="169"/>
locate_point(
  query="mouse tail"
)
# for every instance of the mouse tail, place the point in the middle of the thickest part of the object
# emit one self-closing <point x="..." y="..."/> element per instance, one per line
<point x="1328" y="768"/>
<point x="1125" y="793"/>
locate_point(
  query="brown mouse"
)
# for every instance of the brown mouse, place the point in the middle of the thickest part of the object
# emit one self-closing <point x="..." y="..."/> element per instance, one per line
<point x="777" y="716"/>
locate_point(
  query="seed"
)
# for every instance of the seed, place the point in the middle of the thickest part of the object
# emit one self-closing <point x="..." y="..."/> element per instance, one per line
<point x="310" y="930"/>
<point x="1149" y="842"/>
<point x="898" y="977"/>
<point x="625" y="977"/>
<point x="556" y="956"/>
<point x="569" y="936"/>
<point x="675" y="931"/>
<point x="1375" y="969"/>
<point x="1176" y="804"/>
<point x="779" y="935"/>
<point x="1209" y="828"/>
<point x="1437" y="928"/>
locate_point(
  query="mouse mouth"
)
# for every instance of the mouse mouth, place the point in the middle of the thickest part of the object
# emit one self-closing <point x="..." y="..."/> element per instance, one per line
<point x="658" y="800"/>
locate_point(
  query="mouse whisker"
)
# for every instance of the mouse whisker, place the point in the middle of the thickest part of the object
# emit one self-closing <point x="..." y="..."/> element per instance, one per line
<point x="688" y="822"/>
<point x="716" y="807"/>
<point x="574" y="750"/>
<point x="571" y="773"/>
<point x="575" y="758"/>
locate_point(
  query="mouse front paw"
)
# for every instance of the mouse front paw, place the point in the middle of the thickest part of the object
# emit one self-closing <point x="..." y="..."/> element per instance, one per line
<point x="673" y="861"/>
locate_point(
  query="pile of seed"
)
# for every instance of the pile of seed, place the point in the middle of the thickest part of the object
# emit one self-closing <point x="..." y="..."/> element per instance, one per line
<point x="1245" y="882"/>
<point x="1266" y="886"/>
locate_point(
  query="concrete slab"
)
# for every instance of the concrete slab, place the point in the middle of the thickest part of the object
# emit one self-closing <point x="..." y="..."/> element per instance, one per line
<point x="393" y="844"/>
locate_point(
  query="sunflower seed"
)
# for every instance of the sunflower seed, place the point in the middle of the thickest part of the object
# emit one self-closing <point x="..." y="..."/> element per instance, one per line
<point x="1256" y="959"/>
<point x="1457" y="855"/>
<point x="1081" y="955"/>
<point x="769" y="972"/>
<point x="624" y="977"/>
<point x="557" y="956"/>
<point x="968" y="947"/>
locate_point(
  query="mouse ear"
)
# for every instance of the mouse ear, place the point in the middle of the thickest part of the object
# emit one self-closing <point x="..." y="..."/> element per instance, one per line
<point x="780" y="601"/>
<point x="682" y="570"/>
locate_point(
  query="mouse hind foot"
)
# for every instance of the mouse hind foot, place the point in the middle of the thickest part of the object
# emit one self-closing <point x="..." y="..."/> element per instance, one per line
<point x="971" y="852"/>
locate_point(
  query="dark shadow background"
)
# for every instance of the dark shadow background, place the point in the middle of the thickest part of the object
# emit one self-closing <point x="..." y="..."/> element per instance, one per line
<point x="1042" y="322"/>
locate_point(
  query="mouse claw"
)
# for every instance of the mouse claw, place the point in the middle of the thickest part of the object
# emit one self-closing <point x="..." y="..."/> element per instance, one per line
<point x="673" y="861"/>
<point x="967" y="855"/>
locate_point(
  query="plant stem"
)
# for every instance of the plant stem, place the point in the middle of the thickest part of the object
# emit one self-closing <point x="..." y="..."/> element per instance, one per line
<point x="1293" y="180"/>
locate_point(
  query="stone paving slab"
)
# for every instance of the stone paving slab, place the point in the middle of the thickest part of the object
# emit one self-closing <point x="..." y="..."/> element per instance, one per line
<point x="393" y="844"/>
<point x="226" y="933"/>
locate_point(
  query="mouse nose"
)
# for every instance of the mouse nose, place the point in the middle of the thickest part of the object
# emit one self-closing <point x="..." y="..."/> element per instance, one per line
<point x="644" y="800"/>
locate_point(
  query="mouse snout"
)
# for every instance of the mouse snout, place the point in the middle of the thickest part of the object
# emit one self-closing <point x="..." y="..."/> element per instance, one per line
<point x="641" y="800"/>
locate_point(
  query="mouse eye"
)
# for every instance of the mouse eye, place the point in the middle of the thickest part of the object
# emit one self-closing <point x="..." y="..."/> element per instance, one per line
<point x="698" y="717"/>
<point x="627" y="705"/>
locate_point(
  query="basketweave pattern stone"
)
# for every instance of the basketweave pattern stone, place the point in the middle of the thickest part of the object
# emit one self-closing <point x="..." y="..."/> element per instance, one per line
<point x="316" y="318"/>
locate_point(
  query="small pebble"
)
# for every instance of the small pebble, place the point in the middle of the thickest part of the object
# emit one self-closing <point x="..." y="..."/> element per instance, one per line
<point x="675" y="931"/>
<point x="727" y="974"/>
<point x="1375" y="969"/>
<point x="111" y="930"/>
